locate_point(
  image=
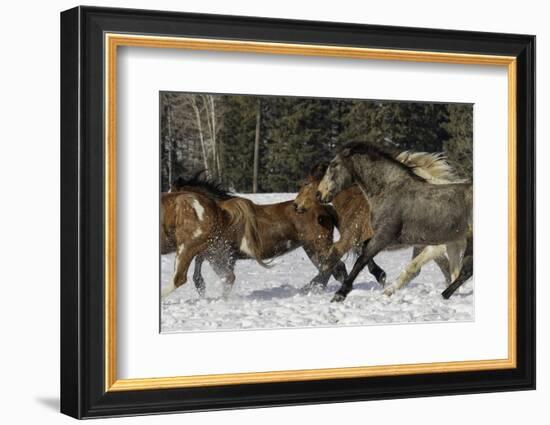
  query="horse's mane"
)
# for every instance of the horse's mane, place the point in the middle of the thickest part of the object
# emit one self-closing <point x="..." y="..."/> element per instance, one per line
<point x="376" y="153"/>
<point x="203" y="185"/>
<point x="433" y="167"/>
<point x="318" y="170"/>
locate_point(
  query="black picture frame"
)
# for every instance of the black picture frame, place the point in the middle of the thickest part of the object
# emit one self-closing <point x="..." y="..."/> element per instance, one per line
<point x="83" y="392"/>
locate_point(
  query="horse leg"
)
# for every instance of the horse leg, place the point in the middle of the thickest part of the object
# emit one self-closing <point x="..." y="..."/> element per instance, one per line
<point x="339" y="272"/>
<point x="443" y="264"/>
<point x="416" y="251"/>
<point x="226" y="271"/>
<point x="224" y="267"/>
<point x="413" y="268"/>
<point x="377" y="271"/>
<point x="330" y="265"/>
<point x="228" y="282"/>
<point x="341" y="247"/>
<point x="465" y="273"/>
<point x="197" y="276"/>
<point x="184" y="257"/>
<point x="440" y="260"/>
<point x="368" y="251"/>
<point x="455" y="252"/>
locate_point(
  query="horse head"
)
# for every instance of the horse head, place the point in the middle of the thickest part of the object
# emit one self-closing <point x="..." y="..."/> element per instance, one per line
<point x="306" y="198"/>
<point x="337" y="177"/>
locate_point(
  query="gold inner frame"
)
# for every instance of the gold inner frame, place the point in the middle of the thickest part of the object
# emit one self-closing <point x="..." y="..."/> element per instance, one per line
<point x="113" y="41"/>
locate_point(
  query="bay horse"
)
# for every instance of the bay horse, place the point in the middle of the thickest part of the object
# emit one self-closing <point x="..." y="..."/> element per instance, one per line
<point x="406" y="209"/>
<point x="353" y="211"/>
<point x="274" y="230"/>
<point x="350" y="208"/>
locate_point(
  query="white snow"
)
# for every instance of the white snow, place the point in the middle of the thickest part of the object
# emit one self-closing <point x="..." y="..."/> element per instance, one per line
<point x="269" y="298"/>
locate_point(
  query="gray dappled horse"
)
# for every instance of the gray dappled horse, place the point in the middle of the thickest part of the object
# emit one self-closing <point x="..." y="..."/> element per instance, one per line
<point x="405" y="210"/>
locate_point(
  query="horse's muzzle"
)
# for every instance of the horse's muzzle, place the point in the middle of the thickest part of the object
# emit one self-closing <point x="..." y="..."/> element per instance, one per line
<point x="323" y="200"/>
<point x="298" y="209"/>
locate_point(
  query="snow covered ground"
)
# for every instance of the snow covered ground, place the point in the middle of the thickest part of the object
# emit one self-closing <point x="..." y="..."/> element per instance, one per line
<point x="269" y="298"/>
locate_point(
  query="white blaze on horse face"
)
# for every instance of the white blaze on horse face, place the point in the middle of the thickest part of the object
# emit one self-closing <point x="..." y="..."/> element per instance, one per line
<point x="245" y="248"/>
<point x="197" y="233"/>
<point x="199" y="209"/>
<point x="323" y="187"/>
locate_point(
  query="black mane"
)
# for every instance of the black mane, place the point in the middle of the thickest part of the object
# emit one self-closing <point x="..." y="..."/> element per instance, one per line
<point x="376" y="153"/>
<point x="318" y="170"/>
<point x="203" y="185"/>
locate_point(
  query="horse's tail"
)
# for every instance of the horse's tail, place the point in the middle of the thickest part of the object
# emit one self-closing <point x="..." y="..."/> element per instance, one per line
<point x="242" y="213"/>
<point x="433" y="167"/>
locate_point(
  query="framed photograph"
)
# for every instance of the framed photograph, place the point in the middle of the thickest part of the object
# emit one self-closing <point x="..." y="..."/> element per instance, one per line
<point x="261" y="212"/>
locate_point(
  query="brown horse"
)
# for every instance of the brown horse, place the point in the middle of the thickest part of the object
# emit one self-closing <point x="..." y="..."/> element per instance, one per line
<point x="235" y="228"/>
<point x="194" y="225"/>
<point x="350" y="209"/>
<point x="353" y="210"/>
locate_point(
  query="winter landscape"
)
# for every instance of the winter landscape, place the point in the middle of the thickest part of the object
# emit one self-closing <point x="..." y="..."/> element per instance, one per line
<point x="216" y="149"/>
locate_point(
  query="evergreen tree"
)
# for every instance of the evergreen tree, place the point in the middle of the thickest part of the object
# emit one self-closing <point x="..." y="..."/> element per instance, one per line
<point x="238" y="134"/>
<point x="459" y="147"/>
<point x="398" y="125"/>
<point x="299" y="135"/>
<point x="218" y="133"/>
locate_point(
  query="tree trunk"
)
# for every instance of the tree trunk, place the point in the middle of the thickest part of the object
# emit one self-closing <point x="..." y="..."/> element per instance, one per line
<point x="214" y="138"/>
<point x="257" y="147"/>
<point x="201" y="134"/>
<point x="170" y="146"/>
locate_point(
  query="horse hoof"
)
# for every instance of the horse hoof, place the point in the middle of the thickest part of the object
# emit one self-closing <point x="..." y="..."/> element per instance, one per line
<point x="382" y="279"/>
<point x="312" y="288"/>
<point x="446" y="295"/>
<point x="338" y="298"/>
<point x="317" y="289"/>
<point x="389" y="291"/>
<point x="305" y="290"/>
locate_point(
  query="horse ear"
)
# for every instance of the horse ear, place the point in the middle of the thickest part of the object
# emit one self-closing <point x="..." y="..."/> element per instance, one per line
<point x="346" y="152"/>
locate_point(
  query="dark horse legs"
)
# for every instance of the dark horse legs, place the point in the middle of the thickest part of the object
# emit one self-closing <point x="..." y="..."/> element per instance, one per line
<point x="465" y="273"/>
<point x="197" y="276"/>
<point x="332" y="264"/>
<point x="369" y="249"/>
<point x="338" y="270"/>
<point x="377" y="272"/>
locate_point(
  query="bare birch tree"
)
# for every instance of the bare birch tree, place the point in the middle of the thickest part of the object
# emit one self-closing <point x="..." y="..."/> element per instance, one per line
<point x="170" y="143"/>
<point x="196" y="109"/>
<point x="257" y="146"/>
<point x="211" y="119"/>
